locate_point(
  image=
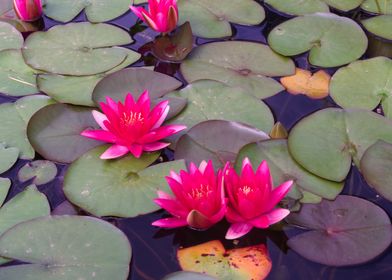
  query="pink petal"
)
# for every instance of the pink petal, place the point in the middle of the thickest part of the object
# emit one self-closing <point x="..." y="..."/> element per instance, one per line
<point x="136" y="150"/>
<point x="277" y="195"/>
<point x="203" y="165"/>
<point x="155" y="146"/>
<point x="170" y="223"/>
<point x="277" y="215"/>
<point x="100" y="135"/>
<point x="172" y="206"/>
<point x="112" y="104"/>
<point x="114" y="151"/>
<point x="163" y="114"/>
<point x="144" y="102"/>
<point x="162" y="194"/>
<point x="161" y="132"/>
<point x="138" y="11"/>
<point x="100" y="118"/>
<point x="261" y="222"/>
<point x="175" y="176"/>
<point x="238" y="230"/>
<point x="233" y="216"/>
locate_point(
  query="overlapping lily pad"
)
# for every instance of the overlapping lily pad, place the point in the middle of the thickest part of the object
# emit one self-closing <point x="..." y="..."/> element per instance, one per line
<point x="283" y="168"/>
<point x="327" y="141"/>
<point x="364" y="84"/>
<point x="55" y="131"/>
<point x="303" y="7"/>
<point x="209" y="141"/>
<point x="238" y="64"/>
<point x="211" y="18"/>
<point x="380" y="26"/>
<point x="378" y="6"/>
<point x="95" y="10"/>
<point x="123" y="188"/>
<point x="77" y="48"/>
<point x="8" y="157"/>
<point x="10" y="37"/>
<point x="41" y="171"/>
<point x="347" y="231"/>
<point x="332" y="40"/>
<point x="66" y="247"/>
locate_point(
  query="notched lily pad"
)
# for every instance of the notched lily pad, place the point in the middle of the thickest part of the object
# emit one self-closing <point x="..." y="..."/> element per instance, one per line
<point x="41" y="171"/>
<point x="8" y="157"/>
<point x="10" y="37"/>
<point x="347" y="231"/>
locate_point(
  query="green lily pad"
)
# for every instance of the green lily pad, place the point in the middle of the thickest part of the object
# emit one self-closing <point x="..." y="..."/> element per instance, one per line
<point x="8" y="157"/>
<point x="238" y="64"/>
<point x="347" y="231"/>
<point x="307" y="187"/>
<point x="67" y="248"/>
<point x="78" y="90"/>
<point x="55" y="131"/>
<point x="380" y="26"/>
<point x="14" y="123"/>
<point x="364" y="84"/>
<point x="5" y="185"/>
<point x="299" y="7"/>
<point x="123" y="187"/>
<point x="378" y="6"/>
<point x="10" y="37"/>
<point x="187" y="275"/>
<point x="376" y="164"/>
<point x="16" y="78"/>
<point x="25" y="206"/>
<point x="211" y="18"/>
<point x="41" y="171"/>
<point x="345" y="6"/>
<point x="210" y="100"/>
<point x="96" y="10"/>
<point x="327" y="141"/>
<point x="209" y="141"/>
<point x="332" y="40"/>
<point x="78" y="49"/>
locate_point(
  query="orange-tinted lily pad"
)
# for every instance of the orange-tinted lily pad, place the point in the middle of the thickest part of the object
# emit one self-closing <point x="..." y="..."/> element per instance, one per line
<point x="303" y="82"/>
<point x="248" y="263"/>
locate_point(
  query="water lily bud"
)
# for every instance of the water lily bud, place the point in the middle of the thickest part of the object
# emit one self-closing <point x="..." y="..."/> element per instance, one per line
<point x="28" y="10"/>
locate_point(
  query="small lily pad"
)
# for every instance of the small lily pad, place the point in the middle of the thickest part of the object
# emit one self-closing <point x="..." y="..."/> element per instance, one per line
<point x="377" y="6"/>
<point x="41" y="171"/>
<point x="8" y="157"/>
<point x="55" y="131"/>
<point x="78" y="49"/>
<point x="327" y="141"/>
<point x="213" y="259"/>
<point x="332" y="40"/>
<point x="66" y="247"/>
<point x="299" y="7"/>
<point x="347" y="231"/>
<point x="380" y="26"/>
<point x="364" y="84"/>
<point x="96" y="10"/>
<point x="10" y="37"/>
<point x="123" y="187"/>
<point x="238" y="64"/>
<point x="215" y="140"/>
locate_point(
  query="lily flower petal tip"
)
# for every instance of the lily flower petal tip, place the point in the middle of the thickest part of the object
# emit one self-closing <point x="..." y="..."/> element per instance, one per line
<point x="28" y="10"/>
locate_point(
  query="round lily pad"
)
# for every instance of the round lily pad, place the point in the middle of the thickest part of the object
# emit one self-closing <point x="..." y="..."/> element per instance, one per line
<point x="76" y="48"/>
<point x="96" y="10"/>
<point x="8" y="157"/>
<point x="380" y="26"/>
<point x="376" y="165"/>
<point x="298" y="7"/>
<point x="364" y="84"/>
<point x="66" y="247"/>
<point x="124" y="187"/>
<point x="55" y="131"/>
<point x="332" y="40"/>
<point x="10" y="37"/>
<point x="377" y="6"/>
<point x="187" y="275"/>
<point x="283" y="168"/>
<point x="347" y="231"/>
<point x="210" y="100"/>
<point x="41" y="171"/>
<point x="238" y="64"/>
<point x="16" y="78"/>
<point x="216" y="140"/>
<point x="327" y="141"/>
<point x="211" y="18"/>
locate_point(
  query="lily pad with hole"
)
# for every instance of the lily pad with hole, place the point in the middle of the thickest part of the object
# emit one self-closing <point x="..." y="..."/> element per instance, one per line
<point x="364" y="84"/>
<point x="380" y="26"/>
<point x="347" y="231"/>
<point x="55" y="131"/>
<point x="238" y="64"/>
<point x="95" y="10"/>
<point x="331" y="40"/>
<point x="326" y="141"/>
<point x="215" y="140"/>
<point x="10" y="37"/>
<point x="377" y="6"/>
<point x="8" y="157"/>
<point x="41" y="171"/>
<point x="123" y="187"/>
<point x="298" y="7"/>
<point x="26" y="205"/>
<point x="211" y="18"/>
<point x="376" y="164"/>
<point x="307" y="187"/>
<point x="78" y="49"/>
<point x="66" y="247"/>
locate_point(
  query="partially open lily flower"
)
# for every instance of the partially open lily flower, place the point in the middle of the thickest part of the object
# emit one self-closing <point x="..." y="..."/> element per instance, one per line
<point x="198" y="199"/>
<point x="28" y="10"/>
<point x="252" y="199"/>
<point x="162" y="15"/>
<point x="132" y="126"/>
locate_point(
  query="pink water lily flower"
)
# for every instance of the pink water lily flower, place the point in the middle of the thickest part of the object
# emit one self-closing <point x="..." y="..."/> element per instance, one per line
<point x="28" y="10"/>
<point x="132" y="126"/>
<point x="162" y="15"/>
<point x="252" y="199"/>
<point x="198" y="199"/>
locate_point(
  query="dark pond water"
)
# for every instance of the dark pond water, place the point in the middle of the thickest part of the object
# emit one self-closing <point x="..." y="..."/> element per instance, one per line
<point x="154" y="250"/>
